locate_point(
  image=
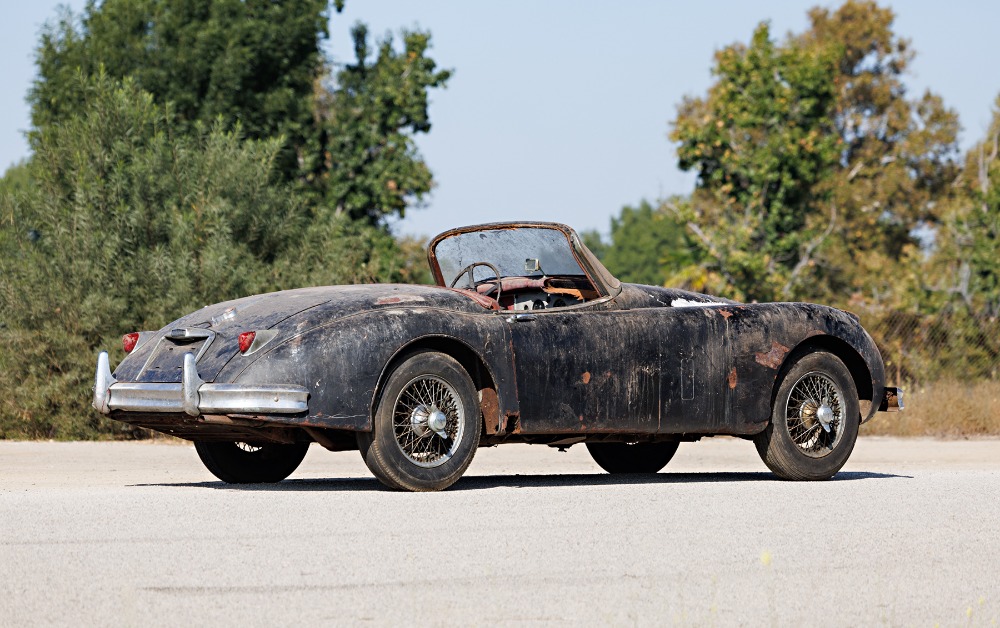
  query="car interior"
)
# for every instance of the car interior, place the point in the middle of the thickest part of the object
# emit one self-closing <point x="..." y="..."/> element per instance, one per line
<point x="525" y="268"/>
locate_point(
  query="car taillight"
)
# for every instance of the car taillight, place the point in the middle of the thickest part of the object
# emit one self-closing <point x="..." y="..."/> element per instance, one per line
<point x="246" y="339"/>
<point x="129" y="341"/>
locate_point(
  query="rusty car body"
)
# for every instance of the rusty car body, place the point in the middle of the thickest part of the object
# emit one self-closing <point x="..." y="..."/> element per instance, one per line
<point x="526" y="338"/>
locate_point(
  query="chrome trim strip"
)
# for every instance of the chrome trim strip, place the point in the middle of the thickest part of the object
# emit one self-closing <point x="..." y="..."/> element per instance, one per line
<point x="192" y="395"/>
<point x="237" y="398"/>
<point x="146" y="397"/>
<point x="261" y="339"/>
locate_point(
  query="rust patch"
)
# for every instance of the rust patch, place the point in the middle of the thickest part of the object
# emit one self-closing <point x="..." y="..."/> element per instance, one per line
<point x="726" y="314"/>
<point x="586" y="377"/>
<point x="773" y="358"/>
<point x="489" y="403"/>
<point x="513" y="423"/>
<point x="732" y="378"/>
<point x="399" y="299"/>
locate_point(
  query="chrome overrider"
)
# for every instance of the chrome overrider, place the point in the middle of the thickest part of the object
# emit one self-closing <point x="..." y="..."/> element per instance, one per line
<point x="892" y="400"/>
<point x="192" y="395"/>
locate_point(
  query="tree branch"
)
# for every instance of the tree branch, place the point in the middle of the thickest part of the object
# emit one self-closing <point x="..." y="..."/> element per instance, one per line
<point x="810" y="249"/>
<point x="712" y="251"/>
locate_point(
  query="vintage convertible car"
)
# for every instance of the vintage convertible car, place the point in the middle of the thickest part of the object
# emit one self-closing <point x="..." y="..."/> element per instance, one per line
<point x="526" y="338"/>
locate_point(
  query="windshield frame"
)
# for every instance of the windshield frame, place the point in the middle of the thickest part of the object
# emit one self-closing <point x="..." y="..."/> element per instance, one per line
<point x="603" y="281"/>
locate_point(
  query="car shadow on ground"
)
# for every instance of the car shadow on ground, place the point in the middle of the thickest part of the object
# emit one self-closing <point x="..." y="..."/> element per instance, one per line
<point x="483" y="482"/>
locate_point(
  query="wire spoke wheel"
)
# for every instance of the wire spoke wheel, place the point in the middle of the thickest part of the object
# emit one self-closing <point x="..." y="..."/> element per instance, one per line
<point x="428" y="421"/>
<point x="426" y="426"/>
<point x="814" y="414"/>
<point x="814" y="419"/>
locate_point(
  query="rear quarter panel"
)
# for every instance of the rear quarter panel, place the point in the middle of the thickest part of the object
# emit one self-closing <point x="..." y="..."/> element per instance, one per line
<point x="341" y="361"/>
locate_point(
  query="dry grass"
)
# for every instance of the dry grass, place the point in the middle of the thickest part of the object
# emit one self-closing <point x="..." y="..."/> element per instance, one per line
<point x="943" y="409"/>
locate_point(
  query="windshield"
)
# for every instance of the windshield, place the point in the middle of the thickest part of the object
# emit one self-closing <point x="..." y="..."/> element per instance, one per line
<point x="515" y="252"/>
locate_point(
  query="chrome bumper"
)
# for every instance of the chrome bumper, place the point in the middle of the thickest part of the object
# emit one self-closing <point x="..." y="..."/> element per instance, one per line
<point x="192" y="395"/>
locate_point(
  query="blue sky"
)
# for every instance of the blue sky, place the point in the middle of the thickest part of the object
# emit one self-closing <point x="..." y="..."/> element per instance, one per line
<point x="559" y="110"/>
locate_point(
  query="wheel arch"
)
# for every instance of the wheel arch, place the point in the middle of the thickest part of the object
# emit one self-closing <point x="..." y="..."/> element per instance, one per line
<point x="847" y="354"/>
<point x="467" y="357"/>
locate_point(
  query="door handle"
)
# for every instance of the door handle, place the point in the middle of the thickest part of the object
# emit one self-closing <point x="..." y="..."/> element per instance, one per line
<point x="521" y="318"/>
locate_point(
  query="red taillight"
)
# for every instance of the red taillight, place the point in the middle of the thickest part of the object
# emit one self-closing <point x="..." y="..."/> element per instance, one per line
<point x="246" y="339"/>
<point x="129" y="341"/>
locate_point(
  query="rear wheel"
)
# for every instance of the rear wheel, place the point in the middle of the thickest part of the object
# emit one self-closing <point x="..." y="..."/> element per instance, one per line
<point x="426" y="427"/>
<point x="814" y="422"/>
<point x="632" y="457"/>
<point x="243" y="463"/>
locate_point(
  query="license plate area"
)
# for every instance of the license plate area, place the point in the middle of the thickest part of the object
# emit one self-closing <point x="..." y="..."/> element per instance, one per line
<point x="166" y="360"/>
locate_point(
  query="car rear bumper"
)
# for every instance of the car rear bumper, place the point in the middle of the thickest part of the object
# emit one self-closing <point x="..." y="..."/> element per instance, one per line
<point x="192" y="395"/>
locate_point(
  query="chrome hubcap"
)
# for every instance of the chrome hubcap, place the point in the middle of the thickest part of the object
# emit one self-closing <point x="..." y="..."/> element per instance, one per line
<point x="814" y="414"/>
<point x="825" y="415"/>
<point x="426" y="419"/>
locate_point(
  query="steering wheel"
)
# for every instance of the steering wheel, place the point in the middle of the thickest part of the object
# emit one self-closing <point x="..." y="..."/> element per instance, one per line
<point x="472" y="279"/>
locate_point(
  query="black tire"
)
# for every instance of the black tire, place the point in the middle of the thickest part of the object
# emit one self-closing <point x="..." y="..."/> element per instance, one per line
<point x="632" y="458"/>
<point x="404" y="451"/>
<point x="796" y="445"/>
<point x="242" y="463"/>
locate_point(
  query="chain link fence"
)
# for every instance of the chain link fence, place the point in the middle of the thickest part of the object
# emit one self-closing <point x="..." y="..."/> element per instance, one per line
<point x="921" y="349"/>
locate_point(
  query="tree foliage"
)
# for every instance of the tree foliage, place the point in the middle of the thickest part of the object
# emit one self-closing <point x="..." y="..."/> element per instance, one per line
<point x="964" y="271"/>
<point x="899" y="155"/>
<point x="760" y="142"/>
<point x="247" y="61"/>
<point x="348" y="141"/>
<point x="648" y="244"/>
<point x="372" y="165"/>
<point x="814" y="168"/>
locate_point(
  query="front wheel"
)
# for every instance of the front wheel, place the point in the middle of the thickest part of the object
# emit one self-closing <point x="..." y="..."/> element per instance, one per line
<point x="814" y="421"/>
<point x="244" y="463"/>
<point x="632" y="457"/>
<point x="426" y="426"/>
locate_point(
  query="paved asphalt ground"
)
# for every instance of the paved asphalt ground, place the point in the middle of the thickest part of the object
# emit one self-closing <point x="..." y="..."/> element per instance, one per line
<point x="138" y="534"/>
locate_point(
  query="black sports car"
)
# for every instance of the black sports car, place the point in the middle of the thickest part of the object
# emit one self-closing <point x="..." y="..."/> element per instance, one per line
<point x="526" y="338"/>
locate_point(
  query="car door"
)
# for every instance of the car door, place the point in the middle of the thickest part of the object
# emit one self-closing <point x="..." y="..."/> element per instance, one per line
<point x="602" y="369"/>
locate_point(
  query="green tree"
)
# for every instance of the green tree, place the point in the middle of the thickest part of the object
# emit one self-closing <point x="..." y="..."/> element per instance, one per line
<point x="373" y="168"/>
<point x="349" y="141"/>
<point x="760" y="142"/>
<point x="648" y="245"/>
<point x="247" y="61"/>
<point x="830" y="168"/>
<point x="964" y="271"/>
<point x="130" y="222"/>
<point x="899" y="157"/>
<point x="592" y="239"/>
<point x="16" y="178"/>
